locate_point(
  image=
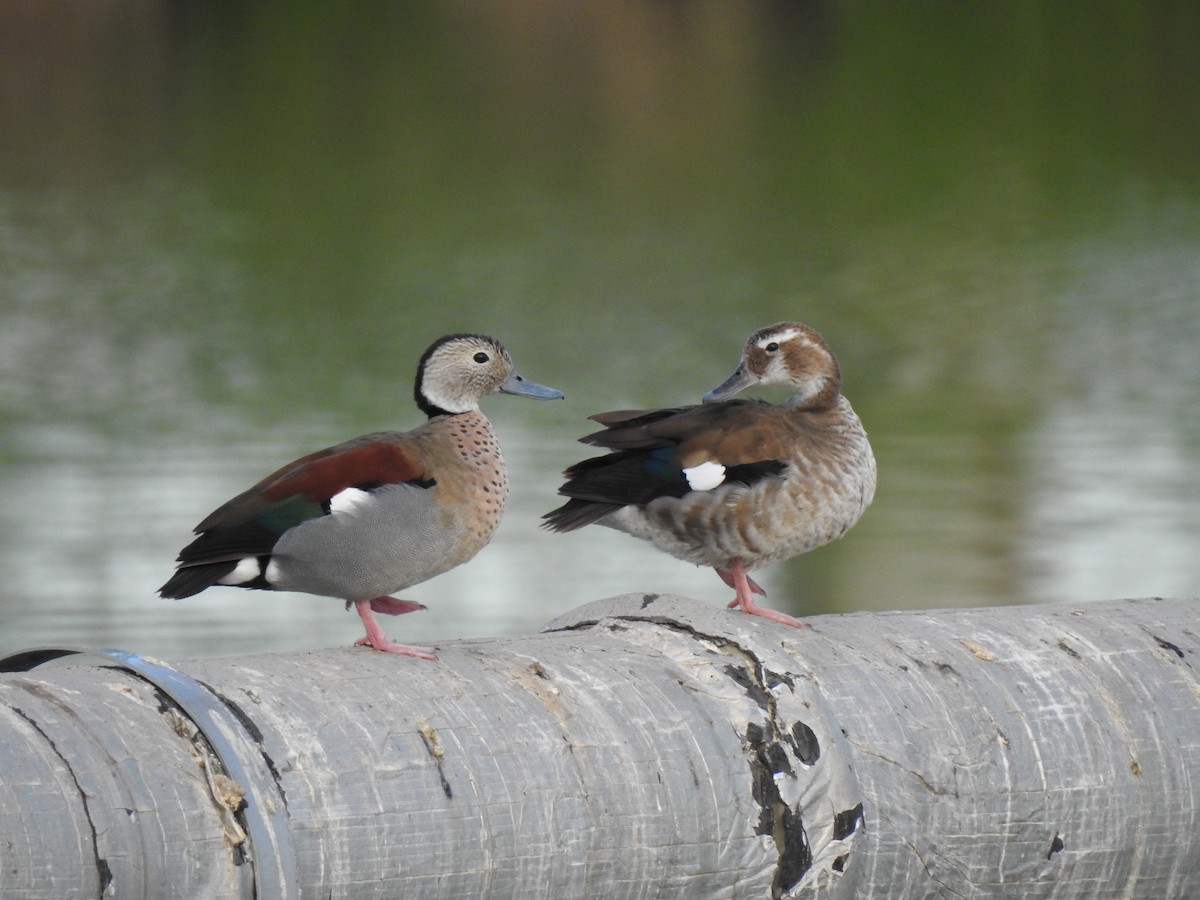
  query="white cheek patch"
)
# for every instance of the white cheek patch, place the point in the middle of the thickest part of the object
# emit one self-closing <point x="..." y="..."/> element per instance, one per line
<point x="272" y="573"/>
<point x="705" y="476"/>
<point x="346" y="500"/>
<point x="247" y="569"/>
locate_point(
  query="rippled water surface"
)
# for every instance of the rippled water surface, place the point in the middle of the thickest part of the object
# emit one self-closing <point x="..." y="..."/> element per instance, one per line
<point x="228" y="231"/>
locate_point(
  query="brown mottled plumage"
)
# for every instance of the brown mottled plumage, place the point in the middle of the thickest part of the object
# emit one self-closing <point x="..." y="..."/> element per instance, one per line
<point x="734" y="484"/>
<point x="378" y="513"/>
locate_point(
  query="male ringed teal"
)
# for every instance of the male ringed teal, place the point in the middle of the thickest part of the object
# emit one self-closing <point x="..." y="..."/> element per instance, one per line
<point x="733" y="484"/>
<point x="378" y="513"/>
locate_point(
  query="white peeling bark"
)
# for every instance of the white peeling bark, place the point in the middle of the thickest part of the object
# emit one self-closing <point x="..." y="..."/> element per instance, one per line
<point x="643" y="746"/>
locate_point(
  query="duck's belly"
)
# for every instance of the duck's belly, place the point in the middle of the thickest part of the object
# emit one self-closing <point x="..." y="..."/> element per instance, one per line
<point x="374" y="549"/>
<point x="764" y="524"/>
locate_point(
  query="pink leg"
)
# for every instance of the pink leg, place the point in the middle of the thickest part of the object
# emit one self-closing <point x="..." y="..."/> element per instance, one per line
<point x="727" y="577"/>
<point x="375" y="638"/>
<point x="745" y="598"/>
<point x="392" y="606"/>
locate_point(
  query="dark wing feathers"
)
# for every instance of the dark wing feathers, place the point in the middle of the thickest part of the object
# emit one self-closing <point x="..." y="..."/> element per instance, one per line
<point x="627" y="476"/>
<point x="191" y="580"/>
<point x="576" y="513"/>
<point x="366" y="462"/>
<point x="252" y="536"/>
<point x="252" y="522"/>
<point x="749" y="473"/>
<point x="215" y="553"/>
<point x="651" y="448"/>
<point x="732" y="433"/>
<point x="629" y="428"/>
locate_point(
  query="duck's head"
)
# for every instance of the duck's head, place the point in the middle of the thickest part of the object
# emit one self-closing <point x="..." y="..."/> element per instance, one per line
<point x="791" y="354"/>
<point x="459" y="370"/>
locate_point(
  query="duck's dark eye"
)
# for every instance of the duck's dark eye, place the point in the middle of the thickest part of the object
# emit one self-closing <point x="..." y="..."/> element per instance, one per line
<point x="772" y="347"/>
<point x="481" y="357"/>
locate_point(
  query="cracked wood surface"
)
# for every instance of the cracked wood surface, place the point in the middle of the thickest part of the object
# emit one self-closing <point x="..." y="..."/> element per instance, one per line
<point x="644" y="746"/>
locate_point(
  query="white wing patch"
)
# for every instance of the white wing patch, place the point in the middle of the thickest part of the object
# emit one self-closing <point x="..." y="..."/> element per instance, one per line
<point x="705" y="476"/>
<point x="247" y="569"/>
<point x="345" y="500"/>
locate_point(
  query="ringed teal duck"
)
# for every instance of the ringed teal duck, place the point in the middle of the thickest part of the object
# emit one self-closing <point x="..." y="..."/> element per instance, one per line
<point x="378" y="513"/>
<point x="733" y="484"/>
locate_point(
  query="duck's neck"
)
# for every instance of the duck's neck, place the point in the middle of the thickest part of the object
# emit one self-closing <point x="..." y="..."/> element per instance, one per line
<point x="825" y="396"/>
<point x="433" y="411"/>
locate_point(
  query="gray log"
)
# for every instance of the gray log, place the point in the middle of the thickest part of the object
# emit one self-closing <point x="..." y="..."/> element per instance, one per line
<point x="643" y="746"/>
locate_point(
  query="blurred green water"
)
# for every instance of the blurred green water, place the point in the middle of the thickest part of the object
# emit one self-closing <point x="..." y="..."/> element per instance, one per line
<point x="228" y="230"/>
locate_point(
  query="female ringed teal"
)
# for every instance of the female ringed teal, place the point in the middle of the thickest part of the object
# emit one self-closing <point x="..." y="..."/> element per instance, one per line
<point x="733" y="484"/>
<point x="378" y="513"/>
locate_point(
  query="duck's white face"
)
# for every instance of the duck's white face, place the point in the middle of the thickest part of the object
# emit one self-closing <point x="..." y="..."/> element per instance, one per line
<point x="459" y="370"/>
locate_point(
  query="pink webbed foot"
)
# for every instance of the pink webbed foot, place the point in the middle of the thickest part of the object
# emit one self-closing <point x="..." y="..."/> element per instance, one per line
<point x="375" y="638"/>
<point x="386" y="646"/>
<point x="746" y="588"/>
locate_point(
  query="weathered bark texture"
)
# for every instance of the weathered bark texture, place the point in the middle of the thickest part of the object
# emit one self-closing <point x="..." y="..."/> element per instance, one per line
<point x="642" y="746"/>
